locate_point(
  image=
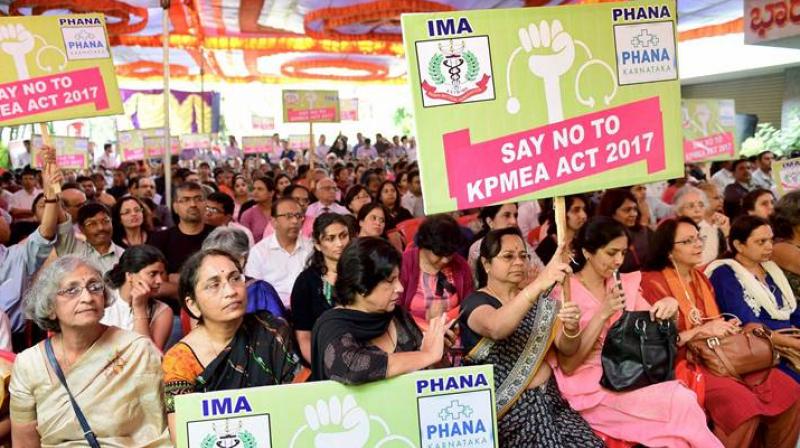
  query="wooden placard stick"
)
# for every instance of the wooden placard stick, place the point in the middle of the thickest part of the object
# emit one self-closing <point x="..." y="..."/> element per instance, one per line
<point x="561" y="237"/>
<point x="56" y="189"/>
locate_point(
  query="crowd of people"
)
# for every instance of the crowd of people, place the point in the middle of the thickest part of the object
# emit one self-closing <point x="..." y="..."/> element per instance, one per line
<point x="321" y="265"/>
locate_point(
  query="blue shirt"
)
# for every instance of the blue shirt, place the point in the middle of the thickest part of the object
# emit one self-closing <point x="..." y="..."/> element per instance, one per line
<point x="17" y="264"/>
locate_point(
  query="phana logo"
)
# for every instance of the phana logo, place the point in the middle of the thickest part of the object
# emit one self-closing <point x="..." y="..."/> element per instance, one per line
<point x="454" y="71"/>
<point x="457" y="420"/>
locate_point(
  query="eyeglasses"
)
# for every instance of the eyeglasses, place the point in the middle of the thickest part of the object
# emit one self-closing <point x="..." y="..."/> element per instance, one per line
<point x="691" y="241"/>
<point x="196" y="199"/>
<point x="71" y="292"/>
<point x="509" y="257"/>
<point x="130" y="210"/>
<point x="328" y="188"/>
<point x="235" y="279"/>
<point x="95" y="224"/>
<point x="297" y="216"/>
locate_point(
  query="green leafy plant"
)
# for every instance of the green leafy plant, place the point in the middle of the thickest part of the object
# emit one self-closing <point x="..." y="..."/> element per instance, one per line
<point x="768" y="138"/>
<point x="404" y="120"/>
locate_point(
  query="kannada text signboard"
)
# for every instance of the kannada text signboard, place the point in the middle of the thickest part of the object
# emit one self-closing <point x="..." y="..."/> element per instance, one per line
<point x="429" y="409"/>
<point x="55" y="68"/>
<point x="258" y="145"/>
<point x="315" y="106"/>
<point x="709" y="128"/>
<point x="786" y="174"/>
<point x="517" y="104"/>
<point x="71" y="152"/>
<point x="772" y="22"/>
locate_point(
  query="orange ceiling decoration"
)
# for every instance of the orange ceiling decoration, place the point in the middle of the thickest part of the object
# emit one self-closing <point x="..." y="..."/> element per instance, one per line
<point x="121" y="11"/>
<point x="321" y="68"/>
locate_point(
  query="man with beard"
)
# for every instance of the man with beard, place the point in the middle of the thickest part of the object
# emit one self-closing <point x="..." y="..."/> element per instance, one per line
<point x="94" y="222"/>
<point x="281" y="257"/>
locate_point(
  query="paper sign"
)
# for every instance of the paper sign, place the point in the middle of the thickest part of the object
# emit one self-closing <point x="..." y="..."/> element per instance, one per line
<point x="196" y="141"/>
<point x="310" y="106"/>
<point x="154" y="146"/>
<point x="709" y="126"/>
<point x="428" y="409"/>
<point x="772" y="22"/>
<point x="131" y="144"/>
<point x="786" y="174"/>
<point x="260" y="123"/>
<point x="348" y="108"/>
<point x="258" y="145"/>
<point x="55" y="68"/>
<point x="298" y="142"/>
<point x="71" y="152"/>
<point x="524" y="103"/>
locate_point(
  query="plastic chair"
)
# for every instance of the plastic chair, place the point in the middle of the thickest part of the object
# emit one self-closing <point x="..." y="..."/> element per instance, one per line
<point x="408" y="229"/>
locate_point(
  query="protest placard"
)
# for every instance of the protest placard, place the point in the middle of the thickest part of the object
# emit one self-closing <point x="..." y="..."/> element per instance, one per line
<point x="261" y="123"/>
<point x="131" y="143"/>
<point x="786" y="174"/>
<point x="196" y="141"/>
<point x="71" y="152"/>
<point x="348" y="109"/>
<point x="429" y="409"/>
<point x="298" y="142"/>
<point x="310" y="106"/>
<point x="154" y="146"/>
<point x="55" y="68"/>
<point x="517" y="104"/>
<point x="709" y="127"/>
<point x="258" y="145"/>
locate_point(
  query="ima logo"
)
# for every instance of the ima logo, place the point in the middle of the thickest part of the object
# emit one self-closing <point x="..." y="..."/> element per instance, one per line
<point x="448" y="27"/>
<point x="227" y="405"/>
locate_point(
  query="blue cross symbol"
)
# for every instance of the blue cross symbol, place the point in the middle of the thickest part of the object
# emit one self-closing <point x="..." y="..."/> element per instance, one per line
<point x="454" y="411"/>
<point x="644" y="39"/>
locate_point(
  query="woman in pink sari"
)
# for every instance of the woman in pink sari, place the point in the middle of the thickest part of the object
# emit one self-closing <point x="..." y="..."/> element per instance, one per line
<point x="661" y="415"/>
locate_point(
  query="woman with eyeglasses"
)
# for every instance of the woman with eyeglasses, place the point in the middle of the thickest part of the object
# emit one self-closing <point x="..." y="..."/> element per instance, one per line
<point x="357" y="196"/>
<point x="511" y="326"/>
<point x="752" y="287"/>
<point x="741" y="412"/>
<point x="435" y="277"/>
<point x="131" y="221"/>
<point x="135" y="281"/>
<point x="113" y="374"/>
<point x="314" y="292"/>
<point x="228" y="349"/>
<point x="621" y="205"/>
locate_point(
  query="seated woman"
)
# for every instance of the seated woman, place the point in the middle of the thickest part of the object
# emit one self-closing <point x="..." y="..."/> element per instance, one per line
<point x="356" y="197"/>
<point x="112" y="373"/>
<point x="261" y="296"/>
<point x="786" y="251"/>
<point x="740" y="412"/>
<point x="663" y="414"/>
<point x="228" y="349"/>
<point x="136" y="280"/>
<point x="620" y="204"/>
<point x="753" y="288"/>
<point x="577" y="215"/>
<point x="693" y="203"/>
<point x="435" y="277"/>
<point x="366" y="337"/>
<point x="759" y="202"/>
<point x="512" y="328"/>
<point x="132" y="222"/>
<point x="313" y="291"/>
<point x="390" y="198"/>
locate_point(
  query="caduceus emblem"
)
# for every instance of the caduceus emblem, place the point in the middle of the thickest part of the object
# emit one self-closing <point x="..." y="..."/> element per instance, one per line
<point x="453" y="60"/>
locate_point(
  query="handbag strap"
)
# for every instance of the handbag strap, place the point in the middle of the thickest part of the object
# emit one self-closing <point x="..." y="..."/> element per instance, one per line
<point x="729" y="366"/>
<point x="643" y="337"/>
<point x="87" y="430"/>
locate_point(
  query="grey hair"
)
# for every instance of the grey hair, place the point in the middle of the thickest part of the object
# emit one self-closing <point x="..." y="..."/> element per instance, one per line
<point x="229" y="239"/>
<point x="680" y="197"/>
<point x="40" y="298"/>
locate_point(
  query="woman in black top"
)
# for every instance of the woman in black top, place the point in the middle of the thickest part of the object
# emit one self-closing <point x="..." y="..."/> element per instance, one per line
<point x="389" y="196"/>
<point x="313" y="290"/>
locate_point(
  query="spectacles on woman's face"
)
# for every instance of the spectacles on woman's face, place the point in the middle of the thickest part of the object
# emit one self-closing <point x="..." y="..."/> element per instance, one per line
<point x="215" y="285"/>
<point x="692" y="240"/>
<point x="95" y="288"/>
<point x="510" y="257"/>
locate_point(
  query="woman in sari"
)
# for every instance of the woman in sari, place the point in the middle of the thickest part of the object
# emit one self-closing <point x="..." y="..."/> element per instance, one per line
<point x="112" y="373"/>
<point x="228" y="349"/>
<point x="512" y="329"/>
<point x="366" y="337"/>
<point x="739" y="410"/>
<point x="663" y="414"/>
<point x="752" y="287"/>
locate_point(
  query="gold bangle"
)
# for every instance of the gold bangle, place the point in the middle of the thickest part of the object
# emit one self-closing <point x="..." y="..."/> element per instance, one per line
<point x="569" y="336"/>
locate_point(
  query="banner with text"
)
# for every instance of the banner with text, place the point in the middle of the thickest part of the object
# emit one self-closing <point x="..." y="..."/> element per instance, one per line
<point x="196" y="141"/>
<point x="260" y="123"/>
<point x="772" y="22"/>
<point x="429" y="409"/>
<point x="131" y="144"/>
<point x="258" y="145"/>
<point x="786" y="174"/>
<point x="518" y="104"/>
<point x="304" y="106"/>
<point x="55" y="68"/>
<point x="709" y="129"/>
<point x="298" y="142"/>
<point x="154" y="146"/>
<point x="71" y="152"/>
<point x="348" y="109"/>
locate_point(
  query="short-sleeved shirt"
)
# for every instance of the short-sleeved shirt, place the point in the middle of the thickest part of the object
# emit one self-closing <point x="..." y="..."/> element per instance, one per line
<point x="309" y="300"/>
<point x="178" y="246"/>
<point x="478" y="298"/>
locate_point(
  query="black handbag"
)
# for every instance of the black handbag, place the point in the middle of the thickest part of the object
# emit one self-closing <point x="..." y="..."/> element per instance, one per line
<point x="638" y="352"/>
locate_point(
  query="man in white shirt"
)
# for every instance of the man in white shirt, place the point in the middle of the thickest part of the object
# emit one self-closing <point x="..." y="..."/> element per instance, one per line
<point x="412" y="200"/>
<point x="326" y="200"/>
<point x="21" y="201"/>
<point x="279" y="258"/>
<point x="762" y="176"/>
<point x="322" y="149"/>
<point x="723" y="177"/>
<point x="108" y="160"/>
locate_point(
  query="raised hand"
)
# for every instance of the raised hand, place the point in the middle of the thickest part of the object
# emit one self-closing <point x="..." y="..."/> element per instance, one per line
<point x="17" y="41"/>
<point x="556" y="271"/>
<point x="345" y="423"/>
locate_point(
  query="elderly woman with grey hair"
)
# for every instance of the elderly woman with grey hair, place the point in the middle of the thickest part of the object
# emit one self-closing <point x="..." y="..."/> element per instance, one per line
<point x="88" y="384"/>
<point x="693" y="203"/>
<point x="260" y="294"/>
<point x="786" y="226"/>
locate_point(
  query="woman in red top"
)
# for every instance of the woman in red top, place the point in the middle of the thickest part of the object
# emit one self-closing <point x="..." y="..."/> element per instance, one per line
<point x="741" y="412"/>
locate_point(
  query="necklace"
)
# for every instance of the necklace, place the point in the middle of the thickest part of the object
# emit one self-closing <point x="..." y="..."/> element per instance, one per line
<point x="695" y="316"/>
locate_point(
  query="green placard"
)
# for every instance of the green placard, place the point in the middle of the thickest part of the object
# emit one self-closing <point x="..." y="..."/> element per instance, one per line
<point x="515" y="104"/>
<point x="426" y="409"/>
<point x="786" y="174"/>
<point x="310" y="106"/>
<point x="709" y="128"/>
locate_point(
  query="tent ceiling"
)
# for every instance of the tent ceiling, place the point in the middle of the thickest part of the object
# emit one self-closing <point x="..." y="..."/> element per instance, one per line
<point x="296" y="40"/>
